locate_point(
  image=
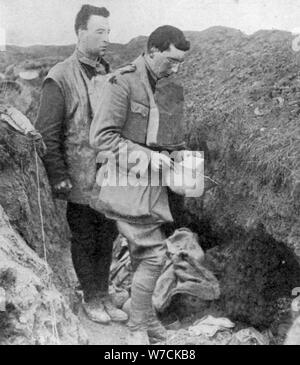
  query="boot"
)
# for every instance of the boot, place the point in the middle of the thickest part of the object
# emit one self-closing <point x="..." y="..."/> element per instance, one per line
<point x="95" y="311"/>
<point x="156" y="331"/>
<point x="137" y="334"/>
<point x="116" y="315"/>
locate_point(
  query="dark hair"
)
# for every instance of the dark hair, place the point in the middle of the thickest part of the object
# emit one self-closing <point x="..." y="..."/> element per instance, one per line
<point x="164" y="36"/>
<point x="85" y="13"/>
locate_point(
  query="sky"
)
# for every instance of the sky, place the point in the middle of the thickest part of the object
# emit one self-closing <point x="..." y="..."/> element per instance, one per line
<point x="28" y="22"/>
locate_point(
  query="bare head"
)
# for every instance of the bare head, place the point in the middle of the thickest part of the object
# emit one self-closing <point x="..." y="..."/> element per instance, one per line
<point x="92" y="29"/>
<point x="166" y="49"/>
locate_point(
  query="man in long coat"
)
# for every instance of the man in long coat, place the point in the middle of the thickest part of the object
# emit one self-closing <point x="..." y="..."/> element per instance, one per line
<point x="136" y="119"/>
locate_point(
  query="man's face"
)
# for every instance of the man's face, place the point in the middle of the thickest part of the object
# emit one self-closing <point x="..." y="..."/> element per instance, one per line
<point x="94" y="39"/>
<point x="166" y="63"/>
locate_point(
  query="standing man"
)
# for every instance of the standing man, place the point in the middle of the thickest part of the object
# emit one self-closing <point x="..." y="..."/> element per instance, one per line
<point x="64" y="118"/>
<point x="134" y="119"/>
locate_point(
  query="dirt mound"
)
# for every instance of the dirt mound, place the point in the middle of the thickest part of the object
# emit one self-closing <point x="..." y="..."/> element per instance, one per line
<point x="33" y="231"/>
<point x="242" y="107"/>
<point x="34" y="311"/>
<point x="19" y="168"/>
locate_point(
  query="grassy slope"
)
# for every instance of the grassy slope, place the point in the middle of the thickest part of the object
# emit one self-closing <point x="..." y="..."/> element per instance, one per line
<point x="242" y="99"/>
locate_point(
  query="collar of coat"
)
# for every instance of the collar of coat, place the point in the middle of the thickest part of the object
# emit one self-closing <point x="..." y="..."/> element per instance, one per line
<point x="99" y="64"/>
<point x="152" y="74"/>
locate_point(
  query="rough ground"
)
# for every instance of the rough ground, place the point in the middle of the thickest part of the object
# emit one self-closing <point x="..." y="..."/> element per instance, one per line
<point x="30" y="298"/>
<point x="242" y="108"/>
<point x="19" y="168"/>
<point x="98" y="334"/>
<point x="242" y="95"/>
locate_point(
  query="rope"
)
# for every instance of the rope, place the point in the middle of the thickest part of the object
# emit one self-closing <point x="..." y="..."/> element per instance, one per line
<point x="49" y="279"/>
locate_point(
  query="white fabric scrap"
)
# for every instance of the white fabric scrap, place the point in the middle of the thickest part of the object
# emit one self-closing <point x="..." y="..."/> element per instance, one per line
<point x="209" y="326"/>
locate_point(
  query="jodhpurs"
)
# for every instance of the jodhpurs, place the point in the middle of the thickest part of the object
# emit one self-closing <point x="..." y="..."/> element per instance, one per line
<point x="148" y="253"/>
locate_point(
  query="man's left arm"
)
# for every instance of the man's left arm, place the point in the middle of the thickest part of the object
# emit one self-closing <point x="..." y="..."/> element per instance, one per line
<point x="49" y="123"/>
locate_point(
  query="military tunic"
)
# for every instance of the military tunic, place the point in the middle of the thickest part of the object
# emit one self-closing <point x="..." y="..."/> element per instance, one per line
<point x="123" y="123"/>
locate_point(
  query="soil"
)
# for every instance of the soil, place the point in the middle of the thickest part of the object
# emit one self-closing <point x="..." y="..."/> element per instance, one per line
<point x="99" y="334"/>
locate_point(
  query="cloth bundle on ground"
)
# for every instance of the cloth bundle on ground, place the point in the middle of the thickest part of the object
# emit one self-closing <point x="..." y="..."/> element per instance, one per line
<point x="184" y="272"/>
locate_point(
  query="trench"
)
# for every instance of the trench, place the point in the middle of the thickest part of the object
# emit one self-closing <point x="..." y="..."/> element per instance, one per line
<point x="248" y="228"/>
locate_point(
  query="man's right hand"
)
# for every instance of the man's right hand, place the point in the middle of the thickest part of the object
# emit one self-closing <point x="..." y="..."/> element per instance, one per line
<point x="63" y="187"/>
